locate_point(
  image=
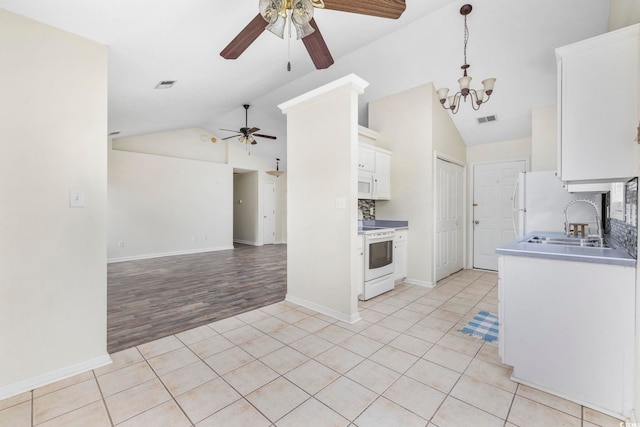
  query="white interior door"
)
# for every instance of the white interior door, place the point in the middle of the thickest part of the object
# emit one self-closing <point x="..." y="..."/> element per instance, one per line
<point x="449" y="225"/>
<point x="493" y="187"/>
<point x="269" y="213"/>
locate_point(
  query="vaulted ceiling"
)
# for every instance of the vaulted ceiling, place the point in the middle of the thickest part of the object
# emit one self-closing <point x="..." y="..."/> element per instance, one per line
<point x="154" y="40"/>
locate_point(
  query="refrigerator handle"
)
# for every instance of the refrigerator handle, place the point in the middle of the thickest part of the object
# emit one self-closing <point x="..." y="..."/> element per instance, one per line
<point x="515" y="211"/>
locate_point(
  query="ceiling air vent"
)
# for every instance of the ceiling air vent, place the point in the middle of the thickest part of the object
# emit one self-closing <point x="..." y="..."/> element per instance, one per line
<point x="165" y="84"/>
<point x="487" y="119"/>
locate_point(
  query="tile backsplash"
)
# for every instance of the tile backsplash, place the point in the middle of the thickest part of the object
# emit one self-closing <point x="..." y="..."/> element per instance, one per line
<point x="368" y="208"/>
<point x="625" y="233"/>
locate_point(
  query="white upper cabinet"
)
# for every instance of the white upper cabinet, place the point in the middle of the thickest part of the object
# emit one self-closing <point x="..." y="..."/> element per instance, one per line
<point x="382" y="176"/>
<point x="598" y="107"/>
<point x="375" y="160"/>
<point x="366" y="159"/>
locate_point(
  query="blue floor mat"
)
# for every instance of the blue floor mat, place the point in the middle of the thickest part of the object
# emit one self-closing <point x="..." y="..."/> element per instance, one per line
<point x="484" y="325"/>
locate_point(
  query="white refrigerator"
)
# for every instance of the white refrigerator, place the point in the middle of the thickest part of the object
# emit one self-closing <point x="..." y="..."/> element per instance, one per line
<point x="539" y="204"/>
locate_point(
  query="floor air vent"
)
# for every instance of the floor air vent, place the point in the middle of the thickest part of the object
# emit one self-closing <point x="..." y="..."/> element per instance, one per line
<point x="487" y="119"/>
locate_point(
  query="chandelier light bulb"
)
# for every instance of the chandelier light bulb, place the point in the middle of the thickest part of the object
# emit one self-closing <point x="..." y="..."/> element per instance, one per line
<point x="442" y="93"/>
<point x="488" y="85"/>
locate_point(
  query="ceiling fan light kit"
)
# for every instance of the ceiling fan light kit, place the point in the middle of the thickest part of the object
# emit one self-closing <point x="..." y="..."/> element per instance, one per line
<point x="275" y="14"/>
<point x="478" y="97"/>
<point x="296" y="12"/>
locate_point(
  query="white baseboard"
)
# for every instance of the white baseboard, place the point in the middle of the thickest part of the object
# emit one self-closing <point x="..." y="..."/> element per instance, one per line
<point x="570" y="398"/>
<point x="53" y="376"/>
<point x="163" y="254"/>
<point x="418" y="282"/>
<point x="324" y="310"/>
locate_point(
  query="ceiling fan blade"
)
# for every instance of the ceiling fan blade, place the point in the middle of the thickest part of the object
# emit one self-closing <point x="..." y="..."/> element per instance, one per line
<point x="244" y="39"/>
<point x="231" y="130"/>
<point x="264" y="136"/>
<point x="232" y="136"/>
<point x="252" y="130"/>
<point x="317" y="48"/>
<point x="382" y="8"/>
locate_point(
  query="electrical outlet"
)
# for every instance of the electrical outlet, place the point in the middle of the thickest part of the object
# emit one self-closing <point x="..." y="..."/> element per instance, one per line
<point x="121" y="243"/>
<point x="194" y="238"/>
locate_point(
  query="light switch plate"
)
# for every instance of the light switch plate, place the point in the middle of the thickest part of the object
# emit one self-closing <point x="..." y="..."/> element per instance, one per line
<point x="341" y="203"/>
<point x="76" y="198"/>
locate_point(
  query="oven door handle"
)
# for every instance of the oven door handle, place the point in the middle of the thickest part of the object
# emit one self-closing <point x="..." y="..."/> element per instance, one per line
<point x="379" y="240"/>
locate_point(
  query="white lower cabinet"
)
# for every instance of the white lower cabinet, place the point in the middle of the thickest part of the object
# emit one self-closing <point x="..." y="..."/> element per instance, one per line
<point x="567" y="328"/>
<point x="360" y="263"/>
<point x="400" y="255"/>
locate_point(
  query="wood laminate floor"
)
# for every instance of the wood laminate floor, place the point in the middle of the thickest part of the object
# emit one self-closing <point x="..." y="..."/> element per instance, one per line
<point x="154" y="298"/>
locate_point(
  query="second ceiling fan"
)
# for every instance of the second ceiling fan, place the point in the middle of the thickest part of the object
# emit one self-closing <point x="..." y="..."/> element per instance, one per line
<point x="246" y="134"/>
<point x="274" y="13"/>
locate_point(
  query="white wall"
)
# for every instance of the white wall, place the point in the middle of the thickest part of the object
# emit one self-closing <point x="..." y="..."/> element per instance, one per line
<point x="185" y="152"/>
<point x="499" y="151"/>
<point x="161" y="205"/>
<point x="544" y="138"/>
<point x="623" y="13"/>
<point x="281" y="208"/>
<point x="53" y="312"/>
<point x="412" y="179"/>
<point x="322" y="159"/>
<point x="193" y="143"/>
<point x="245" y="208"/>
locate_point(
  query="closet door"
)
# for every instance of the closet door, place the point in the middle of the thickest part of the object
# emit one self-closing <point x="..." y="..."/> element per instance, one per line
<point x="449" y="218"/>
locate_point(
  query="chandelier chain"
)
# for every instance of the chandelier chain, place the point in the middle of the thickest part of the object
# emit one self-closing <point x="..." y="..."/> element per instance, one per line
<point x="466" y="39"/>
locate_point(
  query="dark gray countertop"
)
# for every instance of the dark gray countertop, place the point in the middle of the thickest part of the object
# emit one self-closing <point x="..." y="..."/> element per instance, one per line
<point x="520" y="247"/>
<point x="372" y="224"/>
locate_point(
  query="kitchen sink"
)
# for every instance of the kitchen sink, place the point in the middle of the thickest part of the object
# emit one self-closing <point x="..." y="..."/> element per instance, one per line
<point x="588" y="242"/>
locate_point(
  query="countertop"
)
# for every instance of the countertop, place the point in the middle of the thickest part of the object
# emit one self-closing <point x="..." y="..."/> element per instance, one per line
<point x="373" y="224"/>
<point x="610" y="255"/>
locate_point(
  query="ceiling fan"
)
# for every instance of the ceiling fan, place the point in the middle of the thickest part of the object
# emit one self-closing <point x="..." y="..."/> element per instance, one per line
<point x="246" y="134"/>
<point x="273" y="17"/>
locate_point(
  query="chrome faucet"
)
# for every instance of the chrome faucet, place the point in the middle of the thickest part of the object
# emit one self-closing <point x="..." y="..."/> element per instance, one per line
<point x="595" y="208"/>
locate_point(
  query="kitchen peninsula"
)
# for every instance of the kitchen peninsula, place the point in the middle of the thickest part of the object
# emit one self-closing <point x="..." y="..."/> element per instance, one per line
<point x="566" y="317"/>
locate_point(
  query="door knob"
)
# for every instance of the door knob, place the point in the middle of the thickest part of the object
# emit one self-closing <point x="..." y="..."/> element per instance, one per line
<point x="476" y="222"/>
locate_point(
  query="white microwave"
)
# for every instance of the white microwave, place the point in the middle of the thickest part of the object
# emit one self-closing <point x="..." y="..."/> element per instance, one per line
<point x="365" y="185"/>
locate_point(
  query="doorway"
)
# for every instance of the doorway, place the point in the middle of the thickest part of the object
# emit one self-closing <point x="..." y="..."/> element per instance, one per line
<point x="449" y="218"/>
<point x="269" y="213"/>
<point x="493" y="188"/>
<point x="245" y="207"/>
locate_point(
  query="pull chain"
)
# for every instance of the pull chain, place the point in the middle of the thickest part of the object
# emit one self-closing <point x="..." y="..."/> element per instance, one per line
<point x="289" y="43"/>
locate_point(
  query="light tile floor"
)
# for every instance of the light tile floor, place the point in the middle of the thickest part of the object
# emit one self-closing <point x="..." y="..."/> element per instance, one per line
<point x="405" y="364"/>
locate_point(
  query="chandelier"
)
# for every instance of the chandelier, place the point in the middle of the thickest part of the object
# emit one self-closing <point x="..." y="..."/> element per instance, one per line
<point x="478" y="97"/>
